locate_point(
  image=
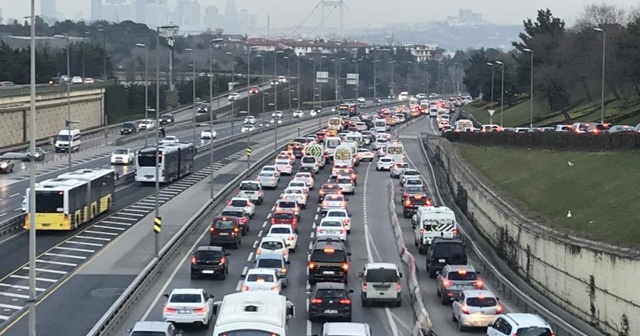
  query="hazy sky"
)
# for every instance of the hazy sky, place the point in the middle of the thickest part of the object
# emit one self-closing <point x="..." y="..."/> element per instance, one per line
<point x="360" y="13"/>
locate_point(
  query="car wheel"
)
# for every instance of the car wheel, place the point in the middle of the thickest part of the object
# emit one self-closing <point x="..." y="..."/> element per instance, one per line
<point x="194" y="276"/>
<point x="461" y="327"/>
<point x="223" y="276"/>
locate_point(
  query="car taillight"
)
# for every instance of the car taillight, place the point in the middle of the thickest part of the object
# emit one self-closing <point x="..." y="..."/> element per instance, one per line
<point x="343" y="204"/>
<point x="320" y="231"/>
<point x="222" y="261"/>
<point x="421" y="232"/>
<point x="235" y="230"/>
<point x="199" y="310"/>
<point x="398" y="286"/>
<point x="464" y="309"/>
<point x="243" y="220"/>
<point x="194" y="260"/>
<point x="407" y="203"/>
<point x="353" y="176"/>
<point x="446" y="283"/>
<point x="364" y="286"/>
<point x="454" y="231"/>
<point x="345" y="301"/>
<point x="290" y="238"/>
<point x="259" y="251"/>
<point x="273" y="220"/>
<point x="405" y="195"/>
<point x="345" y="266"/>
<point x="322" y="192"/>
<point x="285" y="251"/>
<point x="499" y="311"/>
<point x="316" y="301"/>
<point x="275" y="288"/>
<point x="245" y="288"/>
<point x="169" y="310"/>
<point x="312" y="265"/>
<point x="478" y="284"/>
<point x="211" y="229"/>
<point x="324" y="204"/>
<point x="341" y="231"/>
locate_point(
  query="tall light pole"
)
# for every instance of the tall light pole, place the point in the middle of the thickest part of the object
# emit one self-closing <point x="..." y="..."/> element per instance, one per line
<point x="320" y="84"/>
<point x="289" y="79"/>
<point x="604" y="43"/>
<point x="249" y="103"/>
<point x="531" y="87"/>
<point x="355" y="89"/>
<point x="233" y="80"/>
<point x="262" y="75"/>
<point x="275" y="94"/>
<point x="409" y="63"/>
<point x="146" y="89"/>
<point x="375" y="79"/>
<point x="104" y="52"/>
<point x="193" y="89"/>
<point x="32" y="177"/>
<point x="299" y="80"/>
<point x="69" y="137"/>
<point x="213" y="43"/>
<point x="492" y="77"/>
<point x="392" y="81"/>
<point x="501" y="92"/>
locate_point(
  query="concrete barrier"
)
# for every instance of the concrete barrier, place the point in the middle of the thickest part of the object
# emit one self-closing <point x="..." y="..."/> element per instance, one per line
<point x="573" y="277"/>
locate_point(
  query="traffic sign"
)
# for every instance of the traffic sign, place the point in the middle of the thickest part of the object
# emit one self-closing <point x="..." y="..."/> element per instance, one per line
<point x="299" y="125"/>
<point x="314" y="150"/>
<point x="157" y="224"/>
<point x="491" y="112"/>
<point x="353" y="79"/>
<point x="322" y="77"/>
<point x="249" y="151"/>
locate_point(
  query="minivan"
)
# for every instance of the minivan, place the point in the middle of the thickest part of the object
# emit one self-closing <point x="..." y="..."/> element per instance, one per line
<point x="381" y="283"/>
<point x="68" y="140"/>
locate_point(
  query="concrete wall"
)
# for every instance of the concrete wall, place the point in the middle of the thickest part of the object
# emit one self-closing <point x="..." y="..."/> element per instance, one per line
<point x="598" y="283"/>
<point x="87" y="106"/>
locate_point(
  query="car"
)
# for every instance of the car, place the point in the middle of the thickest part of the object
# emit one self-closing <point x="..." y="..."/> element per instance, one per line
<point x="233" y="96"/>
<point x="288" y="205"/>
<point x="442" y="252"/>
<point x="409" y="173"/>
<point x="76" y="80"/>
<point x="410" y="191"/>
<point x="275" y="262"/>
<point x="328" y="189"/>
<point x="297" y="114"/>
<point x="413" y="181"/>
<point x="455" y="278"/>
<point x="274" y="121"/>
<point x="225" y="231"/>
<point x="330" y="300"/>
<point x="170" y="139"/>
<point x="310" y="161"/>
<point x="209" y="261"/>
<point x="361" y="100"/>
<point x="328" y="262"/>
<point x="268" y="179"/>
<point x="39" y="155"/>
<point x="250" y="120"/>
<point x="342" y="215"/>
<point x="188" y="306"/>
<point x="154" y="328"/>
<point x="203" y="108"/>
<point x="519" y="324"/>
<point x="6" y="166"/>
<point x="307" y="177"/>
<point x="247" y="128"/>
<point x="342" y="171"/>
<point x="298" y="194"/>
<point x="254" y="90"/>
<point x="282" y="79"/>
<point x="397" y="169"/>
<point x="285" y="232"/>
<point x="277" y="114"/>
<point x="364" y="154"/>
<point x="284" y="167"/>
<point x="271" y="168"/>
<point x="125" y="156"/>
<point x="261" y="279"/>
<point x="413" y="201"/>
<point x="299" y="184"/>
<point x="332" y="226"/>
<point x="285" y="216"/>
<point x="251" y="190"/>
<point x="273" y="245"/>
<point x="167" y="119"/>
<point x="288" y="156"/>
<point x="333" y="201"/>
<point x="346" y="184"/>
<point x="240" y="213"/>
<point x="475" y="308"/>
<point x="128" y="128"/>
<point x="208" y="134"/>
<point x="384" y="163"/>
<point x="381" y="283"/>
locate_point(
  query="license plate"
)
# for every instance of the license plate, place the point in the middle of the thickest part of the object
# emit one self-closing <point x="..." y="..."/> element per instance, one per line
<point x="329" y="272"/>
<point x="441" y="261"/>
<point x="330" y="311"/>
<point x="224" y="234"/>
<point x="184" y="311"/>
<point x="207" y="272"/>
<point x="249" y="192"/>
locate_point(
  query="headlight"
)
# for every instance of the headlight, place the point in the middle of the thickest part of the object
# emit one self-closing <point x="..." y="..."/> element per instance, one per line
<point x="4" y="165"/>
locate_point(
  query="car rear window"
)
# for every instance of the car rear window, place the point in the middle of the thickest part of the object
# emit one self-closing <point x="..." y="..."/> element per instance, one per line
<point x="208" y="255"/>
<point x="326" y="257"/>
<point x="468" y="276"/>
<point x="344" y="180"/>
<point x="223" y="224"/>
<point x="442" y="249"/>
<point x="414" y="182"/>
<point x="185" y="298"/>
<point x="249" y="186"/>
<point x="272" y="245"/>
<point x="330" y="187"/>
<point x="308" y="159"/>
<point x="331" y="224"/>
<point x="260" y="278"/>
<point x="282" y="215"/>
<point x="280" y="230"/>
<point x="411" y="172"/>
<point x="331" y="293"/>
<point x="232" y="213"/>
<point x="382" y="275"/>
<point x="268" y="263"/>
<point x="481" y="302"/>
<point x="287" y="204"/>
<point x="534" y="331"/>
<point x="336" y="214"/>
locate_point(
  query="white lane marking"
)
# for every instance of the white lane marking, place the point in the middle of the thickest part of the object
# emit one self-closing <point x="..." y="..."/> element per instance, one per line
<point x="19" y="296"/>
<point x="239" y="286"/>
<point x="17" y="209"/>
<point x="8" y="306"/>
<point x="309" y="328"/>
<point x="83" y="243"/>
<point x="264" y="224"/>
<point x="18" y="287"/>
<point x="93" y="238"/>
<point x="65" y="256"/>
<point x="14" y="195"/>
<point x="316" y="218"/>
<point x="115" y="223"/>
<point x="74" y="249"/>
<point x="60" y="263"/>
<point x="311" y="235"/>
<point x="3" y="214"/>
<point x="102" y="233"/>
<point x="250" y="256"/>
<point x="387" y="311"/>
<point x="244" y="271"/>
<point x="260" y="233"/>
<point x="108" y="227"/>
<point x="45" y="271"/>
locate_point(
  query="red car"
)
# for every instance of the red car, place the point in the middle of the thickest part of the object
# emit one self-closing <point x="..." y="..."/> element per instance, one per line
<point x="254" y="90"/>
<point x="285" y="217"/>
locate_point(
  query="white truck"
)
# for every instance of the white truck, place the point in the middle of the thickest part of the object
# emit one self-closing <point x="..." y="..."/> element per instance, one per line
<point x="343" y="156"/>
<point x="463" y="125"/>
<point x="430" y="222"/>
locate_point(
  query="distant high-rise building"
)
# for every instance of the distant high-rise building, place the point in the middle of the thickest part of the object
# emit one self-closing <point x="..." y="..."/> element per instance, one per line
<point x="243" y="18"/>
<point x="231" y="13"/>
<point x="157" y="13"/>
<point x="48" y="11"/>
<point x="467" y="15"/>
<point x="117" y="11"/>
<point x="191" y="17"/>
<point x="96" y="10"/>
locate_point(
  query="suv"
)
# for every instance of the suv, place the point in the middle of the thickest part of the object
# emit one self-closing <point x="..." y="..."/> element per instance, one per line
<point x="241" y="214"/>
<point x="330" y="300"/>
<point x="275" y="262"/>
<point x="328" y="262"/>
<point x="525" y="324"/>
<point x="455" y="278"/>
<point x="381" y="282"/>
<point x="128" y="128"/>
<point x="251" y="190"/>
<point x="210" y="260"/>
<point x="225" y="230"/>
<point x="412" y="202"/>
<point x="444" y="251"/>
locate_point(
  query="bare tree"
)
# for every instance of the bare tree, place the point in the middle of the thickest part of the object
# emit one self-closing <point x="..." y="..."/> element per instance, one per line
<point x="601" y="15"/>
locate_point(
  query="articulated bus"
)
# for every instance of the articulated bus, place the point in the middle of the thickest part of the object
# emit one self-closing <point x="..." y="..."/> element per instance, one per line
<point x="395" y="150"/>
<point x="72" y="199"/>
<point x="253" y="314"/>
<point x="175" y="160"/>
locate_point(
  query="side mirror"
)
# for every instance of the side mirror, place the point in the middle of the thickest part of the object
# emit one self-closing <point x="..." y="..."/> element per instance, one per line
<point x="227" y="254"/>
<point x="478" y="272"/>
<point x="346" y="198"/>
<point x="216" y="306"/>
<point x="288" y="262"/>
<point x="291" y="311"/>
<point x="350" y="215"/>
<point x="211" y="296"/>
<point x="242" y="276"/>
<point x="349" y="254"/>
<point x="360" y="274"/>
<point x="401" y="274"/>
<point x="497" y="298"/>
<point x="166" y="295"/>
<point x="351" y="291"/>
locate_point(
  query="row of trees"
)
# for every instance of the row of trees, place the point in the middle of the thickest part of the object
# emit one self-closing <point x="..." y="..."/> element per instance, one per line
<point x="567" y="61"/>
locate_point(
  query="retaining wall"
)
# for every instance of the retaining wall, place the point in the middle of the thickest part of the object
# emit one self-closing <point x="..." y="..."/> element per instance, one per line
<point x="596" y="282"/>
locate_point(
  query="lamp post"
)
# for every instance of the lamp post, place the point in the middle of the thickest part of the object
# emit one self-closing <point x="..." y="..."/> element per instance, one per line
<point x="146" y="89"/>
<point x="531" y="87"/>
<point x="604" y="41"/>
<point x="492" y="76"/>
<point x="355" y="89"/>
<point x="275" y="96"/>
<point x="320" y="84"/>
<point x="299" y="80"/>
<point x="249" y="103"/>
<point x="375" y="79"/>
<point x="32" y="177"/>
<point x="69" y="137"/>
<point x="233" y="80"/>
<point x="193" y="89"/>
<point x="392" y="82"/>
<point x="211" y="186"/>
<point x="501" y="92"/>
<point x="409" y="63"/>
<point x="104" y="52"/>
<point x="262" y="75"/>
<point x="289" y="79"/>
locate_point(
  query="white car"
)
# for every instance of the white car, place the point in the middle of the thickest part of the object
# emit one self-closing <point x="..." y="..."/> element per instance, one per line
<point x="361" y="100"/>
<point x="333" y="201"/>
<point x="208" y="134"/>
<point x="169" y="139"/>
<point x="247" y="128"/>
<point x="261" y="279"/>
<point x="364" y="154"/>
<point x="299" y="184"/>
<point x="272" y="169"/>
<point x="268" y="179"/>
<point x="250" y="120"/>
<point x="298" y="194"/>
<point x="346" y="184"/>
<point x="76" y="80"/>
<point x="397" y="169"/>
<point x="188" y="305"/>
<point x="233" y="96"/>
<point x="287" y="233"/>
<point x="297" y="114"/>
<point x="277" y="114"/>
<point x="123" y="156"/>
<point x="276" y="121"/>
<point x="273" y="245"/>
<point x="251" y="190"/>
<point x="284" y="167"/>
<point x="342" y="215"/>
<point x="330" y="226"/>
<point x="379" y="143"/>
<point x="384" y="163"/>
<point x="305" y="176"/>
<point x="313" y="113"/>
<point x="282" y="79"/>
<point x="245" y="203"/>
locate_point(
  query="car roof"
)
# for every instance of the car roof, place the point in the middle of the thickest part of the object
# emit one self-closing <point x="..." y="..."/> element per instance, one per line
<point x="261" y="271"/>
<point x="478" y="292"/>
<point x="238" y="198"/>
<point x="210" y="248"/>
<point x="151" y="326"/>
<point x="233" y="208"/>
<point x="346" y="328"/>
<point x="381" y="265"/>
<point x="187" y="291"/>
<point x="281" y="226"/>
<point x="321" y="245"/>
<point x="272" y="238"/>
<point x="455" y="268"/>
<point x="527" y="320"/>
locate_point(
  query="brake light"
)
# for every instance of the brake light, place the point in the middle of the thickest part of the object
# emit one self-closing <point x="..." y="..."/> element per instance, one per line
<point x="407" y="203"/>
<point x="324" y="204"/>
<point x="345" y="266"/>
<point x="454" y="231"/>
<point x="290" y="238"/>
<point x="259" y="251"/>
<point x="421" y="232"/>
<point x="353" y="176"/>
<point x="320" y="231"/>
<point x="465" y="309"/>
<point x="398" y="286"/>
<point x="364" y="286"/>
<point x="446" y="283"/>
<point x="235" y="230"/>
<point x="316" y="301"/>
<point x="66" y="217"/>
<point x="199" y="310"/>
<point x="243" y="220"/>
<point x="345" y="301"/>
<point x="273" y="220"/>
<point x="341" y="231"/>
<point x="322" y="192"/>
<point x="312" y="265"/>
<point x="499" y="311"/>
<point x="275" y="288"/>
<point x="478" y="284"/>
<point x="169" y="310"/>
<point x="222" y="261"/>
<point x="211" y="229"/>
<point x="245" y="288"/>
<point x="194" y="260"/>
<point x="405" y="195"/>
<point x="427" y="203"/>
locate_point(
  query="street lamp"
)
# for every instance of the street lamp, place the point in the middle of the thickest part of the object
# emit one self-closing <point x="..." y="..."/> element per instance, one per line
<point x="214" y="42"/>
<point x="193" y="88"/>
<point x="320" y="84"/>
<point x="233" y="80"/>
<point x="289" y="78"/>
<point x="299" y="80"/>
<point x="69" y="137"/>
<point x="409" y="63"/>
<point x="249" y="103"/>
<point x="492" y="73"/>
<point x="501" y="92"/>
<point x="262" y="75"/>
<point x="104" y="52"/>
<point x="531" y="85"/>
<point x="275" y="96"/>
<point x="392" y="82"/>
<point x="604" y="40"/>
<point x="146" y="88"/>
<point x="32" y="177"/>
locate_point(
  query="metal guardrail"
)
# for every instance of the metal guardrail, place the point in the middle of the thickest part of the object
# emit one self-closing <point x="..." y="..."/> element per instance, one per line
<point x="25" y="90"/>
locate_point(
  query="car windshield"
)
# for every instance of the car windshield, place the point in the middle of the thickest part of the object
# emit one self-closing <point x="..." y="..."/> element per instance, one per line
<point x="308" y="159"/>
<point x="385" y="160"/>
<point x="128" y="125"/>
<point x="344" y="180"/>
<point x="249" y="186"/>
<point x="269" y="168"/>
<point x="462" y="276"/>
<point x="331" y="224"/>
<point x="414" y="182"/>
<point x="331" y="293"/>
<point x="272" y="245"/>
<point x="336" y="214"/>
<point x="280" y="230"/>
<point x="534" y="331"/>
<point x="481" y="302"/>
<point x="298" y="184"/>
<point x="185" y="298"/>
<point x="268" y="263"/>
<point x="382" y="275"/>
<point x="223" y="224"/>
<point x="120" y="151"/>
<point x="260" y="278"/>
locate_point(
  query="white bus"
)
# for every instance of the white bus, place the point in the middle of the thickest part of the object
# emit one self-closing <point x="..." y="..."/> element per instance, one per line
<point x="71" y="199"/>
<point x="253" y="314"/>
<point x="330" y="145"/>
<point x="175" y="160"/>
<point x="395" y="150"/>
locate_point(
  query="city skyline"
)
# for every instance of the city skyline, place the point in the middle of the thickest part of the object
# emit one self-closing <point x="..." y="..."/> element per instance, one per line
<point x="358" y="13"/>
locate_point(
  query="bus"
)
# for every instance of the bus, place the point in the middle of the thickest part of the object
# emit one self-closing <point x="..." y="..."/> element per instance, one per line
<point x="72" y="199"/>
<point x="395" y="150"/>
<point x="253" y="314"/>
<point x="175" y="160"/>
<point x="347" y="110"/>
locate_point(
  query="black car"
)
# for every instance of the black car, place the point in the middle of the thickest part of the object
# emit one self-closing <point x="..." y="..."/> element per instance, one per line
<point x="412" y="202"/>
<point x="317" y="108"/>
<point x="444" y="251"/>
<point x="128" y="128"/>
<point x="39" y="156"/>
<point x="210" y="260"/>
<point x="328" y="262"/>
<point x="330" y="301"/>
<point x="167" y="119"/>
<point x="203" y="108"/>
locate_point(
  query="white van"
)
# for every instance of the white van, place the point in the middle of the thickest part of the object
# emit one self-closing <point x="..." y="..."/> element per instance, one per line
<point x="344" y="328"/>
<point x="433" y="112"/>
<point x="68" y="140"/>
<point x="380" y="125"/>
<point x="403" y="96"/>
